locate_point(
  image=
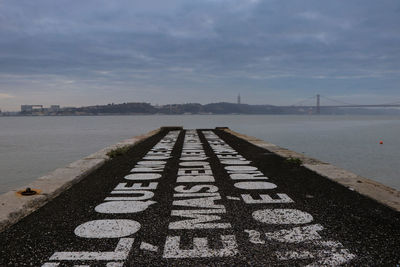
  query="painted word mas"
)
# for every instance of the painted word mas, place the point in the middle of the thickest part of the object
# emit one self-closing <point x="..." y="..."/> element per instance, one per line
<point x="197" y="206"/>
<point x="124" y="199"/>
<point x="306" y="233"/>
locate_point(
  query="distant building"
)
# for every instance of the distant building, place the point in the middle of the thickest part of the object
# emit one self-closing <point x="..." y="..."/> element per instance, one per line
<point x="238" y="99"/>
<point x="54" y="108"/>
<point x="30" y="108"/>
<point x="26" y="108"/>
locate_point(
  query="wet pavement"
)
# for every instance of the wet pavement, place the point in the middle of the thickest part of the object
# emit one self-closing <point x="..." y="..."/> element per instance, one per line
<point x="204" y="198"/>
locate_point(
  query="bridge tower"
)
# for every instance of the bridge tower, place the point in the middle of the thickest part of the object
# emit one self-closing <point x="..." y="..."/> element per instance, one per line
<point x="318" y="104"/>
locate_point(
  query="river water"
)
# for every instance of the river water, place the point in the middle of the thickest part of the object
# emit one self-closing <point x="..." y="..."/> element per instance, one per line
<point x="32" y="146"/>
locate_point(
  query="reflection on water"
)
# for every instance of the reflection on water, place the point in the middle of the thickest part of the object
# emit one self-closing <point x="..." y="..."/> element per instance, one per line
<point x="32" y="146"/>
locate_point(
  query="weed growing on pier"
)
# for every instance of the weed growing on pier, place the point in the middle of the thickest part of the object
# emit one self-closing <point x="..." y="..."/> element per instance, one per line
<point x="293" y="161"/>
<point x="118" y="151"/>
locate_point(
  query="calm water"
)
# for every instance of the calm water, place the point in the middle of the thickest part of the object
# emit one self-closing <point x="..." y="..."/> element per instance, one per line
<point x="33" y="146"/>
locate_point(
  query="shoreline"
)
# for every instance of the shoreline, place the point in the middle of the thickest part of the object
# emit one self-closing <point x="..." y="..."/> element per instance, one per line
<point x="198" y="114"/>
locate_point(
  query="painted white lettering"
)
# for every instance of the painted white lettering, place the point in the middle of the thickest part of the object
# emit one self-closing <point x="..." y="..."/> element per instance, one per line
<point x="152" y="163"/>
<point x="164" y="153"/>
<point x="115" y="207"/>
<point x="194" y="163"/>
<point x="229" y="156"/>
<point x="333" y="254"/>
<point x="201" y="219"/>
<point x="282" y="216"/>
<point x="255" y="237"/>
<point x="332" y="257"/>
<point x="200" y="248"/>
<point x="255" y="185"/>
<point x="248" y="176"/>
<point x="203" y="202"/>
<point x="196" y="194"/>
<point x="142" y="194"/>
<point x="143" y="176"/>
<point x="136" y="186"/>
<point x="194" y="171"/>
<point x="193" y="158"/>
<point x="148" y="247"/>
<point x="196" y="188"/>
<point x="50" y="264"/>
<point x="235" y="162"/>
<point x="107" y="228"/>
<point x="156" y="157"/>
<point x="240" y="168"/>
<point x="195" y="179"/>
<point x="266" y="199"/>
<point x="148" y="169"/>
<point x="297" y="234"/>
<point x="121" y="252"/>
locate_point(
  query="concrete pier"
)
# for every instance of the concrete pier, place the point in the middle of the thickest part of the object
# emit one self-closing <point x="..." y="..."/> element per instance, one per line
<point x="206" y="197"/>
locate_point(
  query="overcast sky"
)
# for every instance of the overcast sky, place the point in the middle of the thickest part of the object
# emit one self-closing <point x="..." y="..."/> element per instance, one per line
<point x="76" y="53"/>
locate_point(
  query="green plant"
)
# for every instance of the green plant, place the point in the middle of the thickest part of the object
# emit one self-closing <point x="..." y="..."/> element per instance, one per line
<point x="294" y="161"/>
<point x="118" y="151"/>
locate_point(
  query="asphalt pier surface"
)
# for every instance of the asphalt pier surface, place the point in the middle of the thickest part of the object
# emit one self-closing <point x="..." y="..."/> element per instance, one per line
<point x="204" y="198"/>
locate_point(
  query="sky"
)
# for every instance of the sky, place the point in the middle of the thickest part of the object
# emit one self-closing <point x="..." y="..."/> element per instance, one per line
<point x="278" y="52"/>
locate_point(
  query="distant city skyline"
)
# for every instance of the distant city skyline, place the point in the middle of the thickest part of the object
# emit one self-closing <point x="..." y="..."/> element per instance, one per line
<point x="274" y="52"/>
<point x="209" y="109"/>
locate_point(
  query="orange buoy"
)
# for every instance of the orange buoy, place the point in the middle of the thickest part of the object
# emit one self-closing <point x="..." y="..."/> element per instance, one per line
<point x="381" y="142"/>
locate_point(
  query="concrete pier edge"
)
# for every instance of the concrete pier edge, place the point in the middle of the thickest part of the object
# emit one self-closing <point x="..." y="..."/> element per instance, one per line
<point x="14" y="207"/>
<point x="381" y="193"/>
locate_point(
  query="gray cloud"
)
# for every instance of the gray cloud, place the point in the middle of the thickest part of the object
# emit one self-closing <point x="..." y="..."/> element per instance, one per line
<point x="179" y="51"/>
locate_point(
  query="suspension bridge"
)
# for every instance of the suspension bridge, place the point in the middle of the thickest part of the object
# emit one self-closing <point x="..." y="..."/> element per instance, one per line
<point x="337" y="104"/>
